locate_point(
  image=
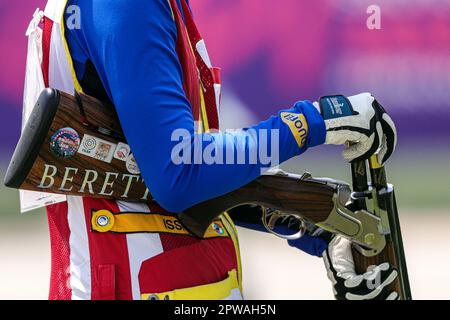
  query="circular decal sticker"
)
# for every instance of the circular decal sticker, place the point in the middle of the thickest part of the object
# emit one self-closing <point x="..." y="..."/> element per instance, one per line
<point x="132" y="165"/>
<point x="218" y="229"/>
<point x="122" y="151"/>
<point x="65" y="142"/>
<point x="89" y="144"/>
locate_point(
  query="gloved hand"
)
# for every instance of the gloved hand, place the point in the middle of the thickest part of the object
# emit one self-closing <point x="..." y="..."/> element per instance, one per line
<point x="347" y="285"/>
<point x="360" y="123"/>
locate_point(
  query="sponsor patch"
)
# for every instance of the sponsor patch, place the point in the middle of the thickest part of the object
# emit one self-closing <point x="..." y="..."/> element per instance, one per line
<point x="97" y="148"/>
<point x="335" y="107"/>
<point x="138" y="222"/>
<point x="131" y="165"/>
<point x="218" y="229"/>
<point x="298" y="126"/>
<point x="172" y="224"/>
<point x="65" y="142"/>
<point x="122" y="151"/>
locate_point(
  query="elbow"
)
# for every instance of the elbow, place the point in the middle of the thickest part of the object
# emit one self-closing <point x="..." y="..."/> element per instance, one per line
<point x="170" y="193"/>
<point x="170" y="199"/>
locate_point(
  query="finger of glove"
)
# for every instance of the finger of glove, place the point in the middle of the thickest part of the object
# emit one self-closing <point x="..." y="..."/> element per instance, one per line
<point x="387" y="294"/>
<point x="341" y="258"/>
<point x="329" y="267"/>
<point x="363" y="151"/>
<point x="393" y="296"/>
<point x="390" y="138"/>
<point x="341" y="136"/>
<point x="357" y="149"/>
<point x="374" y="288"/>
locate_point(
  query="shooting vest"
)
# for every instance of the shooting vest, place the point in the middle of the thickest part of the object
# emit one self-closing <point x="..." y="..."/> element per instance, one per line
<point x="104" y="249"/>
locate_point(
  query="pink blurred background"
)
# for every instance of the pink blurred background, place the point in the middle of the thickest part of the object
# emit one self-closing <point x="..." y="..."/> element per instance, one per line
<point x="273" y="53"/>
<point x="276" y="52"/>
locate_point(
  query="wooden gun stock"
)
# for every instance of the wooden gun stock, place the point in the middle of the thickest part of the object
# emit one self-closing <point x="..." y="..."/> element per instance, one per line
<point x="309" y="198"/>
<point x="69" y="146"/>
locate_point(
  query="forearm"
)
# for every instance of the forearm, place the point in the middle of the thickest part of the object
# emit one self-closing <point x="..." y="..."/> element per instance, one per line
<point x="198" y="167"/>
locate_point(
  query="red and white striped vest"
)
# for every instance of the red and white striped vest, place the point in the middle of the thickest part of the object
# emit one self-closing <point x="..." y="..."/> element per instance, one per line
<point x="94" y="265"/>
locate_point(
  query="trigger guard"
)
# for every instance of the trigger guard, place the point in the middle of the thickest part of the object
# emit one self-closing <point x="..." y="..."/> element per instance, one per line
<point x="295" y="236"/>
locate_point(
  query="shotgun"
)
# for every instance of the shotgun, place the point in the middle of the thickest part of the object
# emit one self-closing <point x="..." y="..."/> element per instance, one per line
<point x="74" y="145"/>
<point x="368" y="215"/>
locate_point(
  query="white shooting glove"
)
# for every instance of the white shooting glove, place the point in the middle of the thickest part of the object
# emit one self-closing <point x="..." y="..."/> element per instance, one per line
<point x="361" y="124"/>
<point x="347" y="285"/>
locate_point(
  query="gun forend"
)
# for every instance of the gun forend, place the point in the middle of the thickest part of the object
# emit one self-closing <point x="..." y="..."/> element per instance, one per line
<point x="317" y="200"/>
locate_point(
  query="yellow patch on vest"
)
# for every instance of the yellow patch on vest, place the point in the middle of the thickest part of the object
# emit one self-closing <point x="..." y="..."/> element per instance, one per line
<point x="143" y="222"/>
<point x="298" y="126"/>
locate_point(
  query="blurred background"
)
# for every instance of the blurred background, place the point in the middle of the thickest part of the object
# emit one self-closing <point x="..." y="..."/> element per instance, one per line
<point x="273" y="53"/>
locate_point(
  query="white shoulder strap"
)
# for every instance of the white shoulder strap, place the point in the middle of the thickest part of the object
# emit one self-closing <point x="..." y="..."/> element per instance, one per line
<point x="34" y="84"/>
<point x="54" y="10"/>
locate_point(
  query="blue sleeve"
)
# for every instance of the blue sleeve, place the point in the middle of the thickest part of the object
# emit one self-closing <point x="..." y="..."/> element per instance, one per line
<point x="132" y="46"/>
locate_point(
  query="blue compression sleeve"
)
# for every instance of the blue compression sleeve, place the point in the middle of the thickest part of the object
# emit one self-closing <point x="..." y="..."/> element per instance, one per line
<point x="132" y="46"/>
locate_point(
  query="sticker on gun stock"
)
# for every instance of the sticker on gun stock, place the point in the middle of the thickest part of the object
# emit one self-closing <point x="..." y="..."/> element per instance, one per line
<point x="131" y="165"/>
<point x="122" y="151"/>
<point x="97" y="148"/>
<point x="65" y="143"/>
